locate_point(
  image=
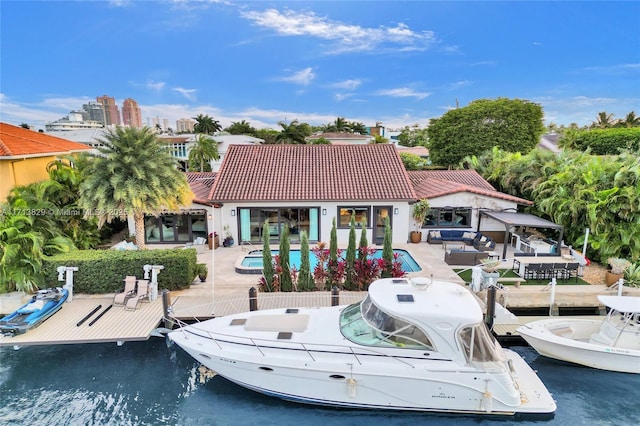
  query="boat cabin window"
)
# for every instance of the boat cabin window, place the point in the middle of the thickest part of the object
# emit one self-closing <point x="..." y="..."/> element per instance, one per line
<point x="365" y="324"/>
<point x="479" y="344"/>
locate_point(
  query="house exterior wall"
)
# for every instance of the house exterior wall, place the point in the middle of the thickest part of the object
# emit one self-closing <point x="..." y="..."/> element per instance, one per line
<point x="228" y="215"/>
<point x="16" y="172"/>
<point x="477" y="203"/>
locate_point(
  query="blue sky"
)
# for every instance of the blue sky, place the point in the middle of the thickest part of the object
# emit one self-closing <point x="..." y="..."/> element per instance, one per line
<point x="399" y="63"/>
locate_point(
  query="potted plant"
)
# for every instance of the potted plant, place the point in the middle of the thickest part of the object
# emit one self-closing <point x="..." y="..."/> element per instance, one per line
<point x="632" y="275"/>
<point x="419" y="212"/>
<point x="228" y="238"/>
<point x="202" y="271"/>
<point x="618" y="266"/>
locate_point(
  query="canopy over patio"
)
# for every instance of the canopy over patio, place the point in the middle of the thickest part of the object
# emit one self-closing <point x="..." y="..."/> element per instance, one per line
<point x="514" y="219"/>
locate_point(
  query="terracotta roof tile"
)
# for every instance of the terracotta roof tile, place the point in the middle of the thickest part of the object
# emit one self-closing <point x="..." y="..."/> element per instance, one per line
<point x="17" y="142"/>
<point x="200" y="184"/>
<point x="438" y="183"/>
<point x="311" y="172"/>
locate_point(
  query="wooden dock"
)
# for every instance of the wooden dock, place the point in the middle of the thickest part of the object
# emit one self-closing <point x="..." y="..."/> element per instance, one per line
<point x="116" y="325"/>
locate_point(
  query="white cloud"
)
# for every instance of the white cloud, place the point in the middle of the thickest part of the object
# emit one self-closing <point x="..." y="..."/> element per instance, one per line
<point x="187" y="93"/>
<point x="347" y="84"/>
<point x="346" y="37"/>
<point x="302" y="77"/>
<point x="614" y="69"/>
<point x="403" y="92"/>
<point x="155" y="85"/>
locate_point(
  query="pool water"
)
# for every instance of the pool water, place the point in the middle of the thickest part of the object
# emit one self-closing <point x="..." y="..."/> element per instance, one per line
<point x="252" y="262"/>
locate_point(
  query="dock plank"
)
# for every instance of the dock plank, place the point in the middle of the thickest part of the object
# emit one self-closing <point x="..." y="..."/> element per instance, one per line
<point x="116" y="325"/>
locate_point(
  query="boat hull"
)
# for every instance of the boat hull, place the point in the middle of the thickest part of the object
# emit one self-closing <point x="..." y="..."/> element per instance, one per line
<point x="352" y="376"/>
<point x="544" y="336"/>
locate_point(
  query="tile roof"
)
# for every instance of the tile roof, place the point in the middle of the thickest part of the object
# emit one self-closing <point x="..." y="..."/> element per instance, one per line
<point x="18" y="142"/>
<point x="438" y="183"/>
<point x="312" y="173"/>
<point x="200" y="184"/>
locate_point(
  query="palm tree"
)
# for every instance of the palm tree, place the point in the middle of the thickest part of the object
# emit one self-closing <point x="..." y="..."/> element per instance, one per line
<point x="133" y="175"/>
<point x="631" y="120"/>
<point x="203" y="150"/>
<point x="241" y="128"/>
<point x="604" y="120"/>
<point x="357" y="127"/>
<point x="206" y="124"/>
<point x="292" y="133"/>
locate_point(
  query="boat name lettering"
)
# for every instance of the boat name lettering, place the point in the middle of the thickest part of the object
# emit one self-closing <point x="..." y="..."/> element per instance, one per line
<point x="617" y="350"/>
<point x="443" y="396"/>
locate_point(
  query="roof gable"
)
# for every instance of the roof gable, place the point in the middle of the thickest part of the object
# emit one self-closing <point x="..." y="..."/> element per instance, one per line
<point x="311" y="173"/>
<point x="438" y="183"/>
<point x="16" y="141"/>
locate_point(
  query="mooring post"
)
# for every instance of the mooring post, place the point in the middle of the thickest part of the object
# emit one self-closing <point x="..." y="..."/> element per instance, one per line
<point x="166" y="309"/>
<point x="335" y="296"/>
<point x="253" y="299"/>
<point x="491" y="306"/>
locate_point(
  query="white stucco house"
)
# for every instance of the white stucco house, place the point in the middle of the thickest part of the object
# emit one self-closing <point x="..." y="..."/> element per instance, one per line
<point x="306" y="187"/>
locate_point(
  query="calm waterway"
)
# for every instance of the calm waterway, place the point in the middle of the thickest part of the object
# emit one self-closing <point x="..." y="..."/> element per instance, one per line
<point x="148" y="383"/>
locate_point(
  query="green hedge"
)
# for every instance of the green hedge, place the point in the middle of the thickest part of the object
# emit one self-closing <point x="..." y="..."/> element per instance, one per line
<point x="608" y="141"/>
<point x="103" y="271"/>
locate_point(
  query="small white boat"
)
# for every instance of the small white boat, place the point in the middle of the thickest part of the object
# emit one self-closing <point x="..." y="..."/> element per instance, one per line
<point x="611" y="344"/>
<point x="418" y="345"/>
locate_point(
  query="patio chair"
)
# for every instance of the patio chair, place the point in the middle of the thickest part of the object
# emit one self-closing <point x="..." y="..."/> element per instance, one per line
<point x="546" y="271"/>
<point x="560" y="270"/>
<point x="571" y="270"/>
<point x="532" y="271"/>
<point x="141" y="295"/>
<point x="120" y="298"/>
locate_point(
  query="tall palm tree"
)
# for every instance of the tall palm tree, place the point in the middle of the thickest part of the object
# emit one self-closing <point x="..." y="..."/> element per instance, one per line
<point x="133" y="175"/>
<point x="203" y="150"/>
<point x="206" y="124"/>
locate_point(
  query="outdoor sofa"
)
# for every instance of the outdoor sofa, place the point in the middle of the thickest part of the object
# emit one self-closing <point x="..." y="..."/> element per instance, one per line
<point x="476" y="239"/>
<point x="464" y="257"/>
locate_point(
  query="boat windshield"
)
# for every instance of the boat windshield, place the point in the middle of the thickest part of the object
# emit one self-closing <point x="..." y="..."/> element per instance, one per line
<point x="479" y="345"/>
<point x="365" y="324"/>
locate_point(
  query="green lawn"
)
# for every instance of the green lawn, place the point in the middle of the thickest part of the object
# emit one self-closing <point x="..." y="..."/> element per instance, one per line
<point x="508" y="273"/>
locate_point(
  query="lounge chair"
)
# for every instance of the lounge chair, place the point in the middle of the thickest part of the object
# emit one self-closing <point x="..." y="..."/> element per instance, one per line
<point x="141" y="294"/>
<point x="121" y="297"/>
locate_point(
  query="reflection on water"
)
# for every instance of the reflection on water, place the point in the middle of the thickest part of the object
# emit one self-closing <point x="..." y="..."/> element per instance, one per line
<point x="148" y="383"/>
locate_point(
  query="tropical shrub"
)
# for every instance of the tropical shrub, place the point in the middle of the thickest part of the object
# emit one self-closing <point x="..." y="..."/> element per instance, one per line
<point x="102" y="271"/>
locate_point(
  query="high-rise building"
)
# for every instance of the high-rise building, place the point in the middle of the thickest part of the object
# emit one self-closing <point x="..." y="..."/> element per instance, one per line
<point x="131" y="115"/>
<point x="111" y="112"/>
<point x="94" y="111"/>
<point x="185" y="125"/>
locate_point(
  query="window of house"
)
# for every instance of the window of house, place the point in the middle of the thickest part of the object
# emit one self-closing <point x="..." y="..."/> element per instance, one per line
<point x="361" y="214"/>
<point x="296" y="220"/>
<point x="450" y="217"/>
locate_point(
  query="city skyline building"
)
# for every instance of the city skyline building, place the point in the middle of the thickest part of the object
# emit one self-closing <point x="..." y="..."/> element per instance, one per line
<point x="185" y="125"/>
<point x="131" y="114"/>
<point x="111" y="111"/>
<point x="94" y="111"/>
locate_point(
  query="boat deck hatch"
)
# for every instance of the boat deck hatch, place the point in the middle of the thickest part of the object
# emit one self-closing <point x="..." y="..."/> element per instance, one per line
<point x="285" y="335"/>
<point x="238" y="321"/>
<point x="291" y="311"/>
<point x="406" y="298"/>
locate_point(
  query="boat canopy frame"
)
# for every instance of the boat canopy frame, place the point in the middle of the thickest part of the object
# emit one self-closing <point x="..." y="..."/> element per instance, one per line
<point x="512" y="219"/>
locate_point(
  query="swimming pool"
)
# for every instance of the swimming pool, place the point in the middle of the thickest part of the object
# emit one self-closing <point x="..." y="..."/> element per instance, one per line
<point x="251" y="263"/>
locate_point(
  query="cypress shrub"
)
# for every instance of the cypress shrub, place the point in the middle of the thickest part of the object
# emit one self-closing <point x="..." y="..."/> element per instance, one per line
<point x="267" y="261"/>
<point x="387" y="251"/>
<point x="305" y="281"/>
<point x="285" y="275"/>
<point x="350" y="258"/>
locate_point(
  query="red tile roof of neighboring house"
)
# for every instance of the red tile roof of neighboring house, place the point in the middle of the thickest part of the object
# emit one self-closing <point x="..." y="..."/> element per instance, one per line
<point x="437" y="183"/>
<point x="340" y="135"/>
<point x="312" y="173"/>
<point x="18" y="142"/>
<point x="200" y="184"/>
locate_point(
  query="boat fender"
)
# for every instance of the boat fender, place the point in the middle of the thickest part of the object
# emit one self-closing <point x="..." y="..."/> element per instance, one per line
<point x="351" y="387"/>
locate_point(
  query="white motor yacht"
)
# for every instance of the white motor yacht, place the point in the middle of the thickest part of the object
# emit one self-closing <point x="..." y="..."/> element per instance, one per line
<point x="411" y="344"/>
<point x="610" y="344"/>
